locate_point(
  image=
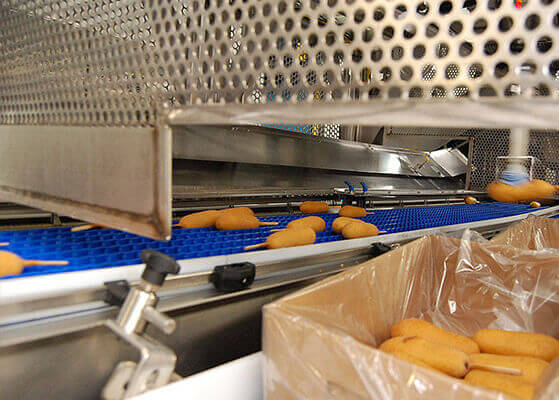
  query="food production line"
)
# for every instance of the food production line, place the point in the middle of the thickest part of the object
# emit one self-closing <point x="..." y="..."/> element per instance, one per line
<point x="132" y="114"/>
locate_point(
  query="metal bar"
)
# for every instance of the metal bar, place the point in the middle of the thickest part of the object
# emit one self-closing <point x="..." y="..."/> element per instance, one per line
<point x="470" y="163"/>
<point x="534" y="113"/>
<point x="34" y="309"/>
<point x="170" y="300"/>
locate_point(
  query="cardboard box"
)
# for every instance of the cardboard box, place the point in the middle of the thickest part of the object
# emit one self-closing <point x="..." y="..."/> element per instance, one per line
<point x="532" y="233"/>
<point x="320" y="342"/>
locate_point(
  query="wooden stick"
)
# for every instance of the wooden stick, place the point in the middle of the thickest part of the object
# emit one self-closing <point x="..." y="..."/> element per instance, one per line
<point x="177" y="224"/>
<point x="495" y="368"/>
<point x="268" y="223"/>
<point x="5" y="244"/>
<point x="30" y="263"/>
<point x="255" y="246"/>
<point x="382" y="231"/>
<point x="277" y="230"/>
<point x="85" y="227"/>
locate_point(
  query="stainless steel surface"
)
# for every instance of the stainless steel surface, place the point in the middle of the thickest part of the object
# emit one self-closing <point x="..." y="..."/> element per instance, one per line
<point x="130" y="317"/>
<point x="154" y="368"/>
<point x="165" y="324"/>
<point x="118" y="177"/>
<point x="471" y="168"/>
<point x="452" y="161"/>
<point x="535" y="113"/>
<point x="202" y="179"/>
<point x="259" y="146"/>
<point x="157" y="362"/>
<point x="77" y="365"/>
<point x="84" y="311"/>
<point x="109" y="62"/>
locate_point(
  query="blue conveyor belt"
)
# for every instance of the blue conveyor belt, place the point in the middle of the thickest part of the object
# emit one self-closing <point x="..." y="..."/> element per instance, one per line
<point x="104" y="248"/>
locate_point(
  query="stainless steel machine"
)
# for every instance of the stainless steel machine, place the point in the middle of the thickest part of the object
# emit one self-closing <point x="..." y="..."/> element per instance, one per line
<point x="130" y="114"/>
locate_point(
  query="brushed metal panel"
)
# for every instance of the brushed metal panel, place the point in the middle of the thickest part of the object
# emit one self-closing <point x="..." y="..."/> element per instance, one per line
<point x="119" y="177"/>
<point x="77" y="365"/>
<point x="452" y="161"/>
<point x="199" y="179"/>
<point x="256" y="145"/>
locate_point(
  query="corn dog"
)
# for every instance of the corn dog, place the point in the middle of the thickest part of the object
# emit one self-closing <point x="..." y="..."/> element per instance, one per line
<point x="391" y="345"/>
<point x="541" y="189"/>
<point x="432" y="333"/>
<point x="202" y="219"/>
<point x="470" y="200"/>
<point x="508" y="384"/>
<point x="410" y="359"/>
<point x="444" y="359"/>
<point x="496" y="341"/>
<point x="356" y="230"/>
<point x="287" y="238"/>
<point x="12" y="264"/>
<point x="314" y="207"/>
<point x="340" y="222"/>
<point x="533" y="190"/>
<point x="317" y="224"/>
<point x="531" y="368"/>
<point x="234" y="221"/>
<point x="239" y="210"/>
<point x="352" y="212"/>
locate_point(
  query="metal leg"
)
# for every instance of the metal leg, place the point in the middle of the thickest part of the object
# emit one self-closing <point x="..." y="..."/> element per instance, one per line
<point x="470" y="164"/>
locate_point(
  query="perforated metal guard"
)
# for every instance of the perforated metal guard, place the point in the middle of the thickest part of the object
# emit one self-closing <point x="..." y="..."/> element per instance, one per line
<point x="114" y="62"/>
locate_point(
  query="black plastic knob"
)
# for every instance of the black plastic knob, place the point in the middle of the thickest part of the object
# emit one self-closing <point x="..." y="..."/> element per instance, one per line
<point x="158" y="265"/>
<point x="232" y="277"/>
<point x="378" y="249"/>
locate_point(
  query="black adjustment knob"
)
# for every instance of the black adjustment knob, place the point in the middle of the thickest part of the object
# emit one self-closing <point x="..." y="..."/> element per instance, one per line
<point x="116" y="292"/>
<point x="158" y="265"/>
<point x="378" y="249"/>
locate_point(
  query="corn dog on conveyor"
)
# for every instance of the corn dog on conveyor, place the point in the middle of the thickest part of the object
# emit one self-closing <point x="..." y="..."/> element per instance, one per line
<point x="105" y="248"/>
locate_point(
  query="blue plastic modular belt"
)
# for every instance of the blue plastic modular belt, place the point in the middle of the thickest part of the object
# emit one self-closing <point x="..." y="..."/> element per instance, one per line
<point x="104" y="248"/>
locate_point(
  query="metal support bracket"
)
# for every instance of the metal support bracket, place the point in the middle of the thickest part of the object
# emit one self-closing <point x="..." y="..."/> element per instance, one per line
<point x="155" y="368"/>
<point x="157" y="361"/>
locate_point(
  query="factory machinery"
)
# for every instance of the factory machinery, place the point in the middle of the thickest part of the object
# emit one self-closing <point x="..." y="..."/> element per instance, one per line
<point x="131" y="114"/>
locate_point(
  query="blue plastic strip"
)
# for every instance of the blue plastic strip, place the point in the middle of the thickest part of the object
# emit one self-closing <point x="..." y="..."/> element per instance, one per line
<point x="104" y="248"/>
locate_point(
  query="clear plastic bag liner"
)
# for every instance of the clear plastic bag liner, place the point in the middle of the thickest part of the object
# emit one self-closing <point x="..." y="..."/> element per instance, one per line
<point x="320" y="342"/>
<point x="532" y="233"/>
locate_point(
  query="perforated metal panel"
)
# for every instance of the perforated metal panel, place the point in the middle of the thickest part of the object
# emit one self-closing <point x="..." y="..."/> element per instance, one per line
<point x="492" y="143"/>
<point x="115" y="62"/>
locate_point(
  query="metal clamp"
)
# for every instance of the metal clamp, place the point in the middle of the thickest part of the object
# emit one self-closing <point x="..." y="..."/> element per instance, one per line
<point x="157" y="361"/>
